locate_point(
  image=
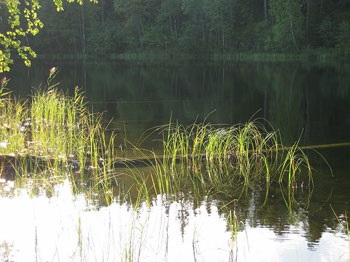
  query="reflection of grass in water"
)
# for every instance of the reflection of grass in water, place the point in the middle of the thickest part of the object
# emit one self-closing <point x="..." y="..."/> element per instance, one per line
<point x="58" y="131"/>
<point x="233" y="227"/>
<point x="5" y="251"/>
<point x="343" y="224"/>
<point x="223" y="160"/>
<point x="347" y="230"/>
<point x="53" y="136"/>
<point x="347" y="224"/>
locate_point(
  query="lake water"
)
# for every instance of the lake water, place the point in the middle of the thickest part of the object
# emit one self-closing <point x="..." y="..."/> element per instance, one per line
<point x="306" y="101"/>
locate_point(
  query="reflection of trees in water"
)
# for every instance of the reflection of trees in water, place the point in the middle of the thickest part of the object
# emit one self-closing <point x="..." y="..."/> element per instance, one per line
<point x="315" y="107"/>
<point x="6" y="250"/>
<point x="291" y="96"/>
<point x="250" y="209"/>
<point x="297" y="98"/>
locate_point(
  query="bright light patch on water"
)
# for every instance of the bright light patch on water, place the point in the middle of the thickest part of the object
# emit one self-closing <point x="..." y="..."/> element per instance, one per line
<point x="66" y="228"/>
<point x="262" y="244"/>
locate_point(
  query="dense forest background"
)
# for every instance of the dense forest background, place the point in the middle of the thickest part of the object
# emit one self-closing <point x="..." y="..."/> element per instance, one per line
<point x="113" y="27"/>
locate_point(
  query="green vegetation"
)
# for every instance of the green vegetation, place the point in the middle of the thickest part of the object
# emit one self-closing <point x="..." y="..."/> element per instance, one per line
<point x="197" y="28"/>
<point x="22" y="21"/>
<point x="52" y="136"/>
<point x="229" y="160"/>
<point x="192" y="29"/>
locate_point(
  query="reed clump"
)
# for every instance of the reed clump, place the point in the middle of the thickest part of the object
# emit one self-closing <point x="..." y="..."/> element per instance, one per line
<point x="222" y="158"/>
<point x="53" y="135"/>
<point x="52" y="131"/>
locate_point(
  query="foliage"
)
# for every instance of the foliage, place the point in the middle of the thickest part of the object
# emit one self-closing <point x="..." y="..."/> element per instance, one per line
<point x="209" y="160"/>
<point x="287" y="27"/>
<point x="112" y="27"/>
<point x="343" y="37"/>
<point x="22" y="21"/>
<point x="221" y="25"/>
<point x="52" y="134"/>
<point x="327" y="32"/>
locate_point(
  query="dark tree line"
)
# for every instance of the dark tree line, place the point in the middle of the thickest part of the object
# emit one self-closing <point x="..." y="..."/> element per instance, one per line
<point x="195" y="26"/>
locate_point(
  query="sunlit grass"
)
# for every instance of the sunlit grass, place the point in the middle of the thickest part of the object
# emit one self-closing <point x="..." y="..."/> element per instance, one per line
<point x="219" y="159"/>
<point x="52" y="134"/>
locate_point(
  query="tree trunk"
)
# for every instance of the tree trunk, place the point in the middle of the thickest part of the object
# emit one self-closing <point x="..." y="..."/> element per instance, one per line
<point x="83" y="30"/>
<point x="292" y="25"/>
<point x="307" y="12"/>
<point x="265" y="10"/>
<point x="292" y="31"/>
<point x="175" y="27"/>
<point x="102" y="11"/>
<point x="140" y="31"/>
<point x="223" y="34"/>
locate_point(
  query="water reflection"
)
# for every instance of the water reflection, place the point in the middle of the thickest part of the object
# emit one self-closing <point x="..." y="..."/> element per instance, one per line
<point x="296" y="98"/>
<point x="68" y="227"/>
<point x="311" y="100"/>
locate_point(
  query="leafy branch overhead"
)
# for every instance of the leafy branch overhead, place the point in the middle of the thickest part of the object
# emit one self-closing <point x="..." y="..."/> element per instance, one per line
<point x="19" y="19"/>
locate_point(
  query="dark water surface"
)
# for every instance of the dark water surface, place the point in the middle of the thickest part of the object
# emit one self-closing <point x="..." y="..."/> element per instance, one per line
<point x="306" y="101"/>
<point x="299" y="99"/>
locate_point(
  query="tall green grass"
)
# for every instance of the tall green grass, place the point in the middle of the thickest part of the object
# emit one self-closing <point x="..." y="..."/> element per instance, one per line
<point x="52" y="134"/>
<point x="221" y="159"/>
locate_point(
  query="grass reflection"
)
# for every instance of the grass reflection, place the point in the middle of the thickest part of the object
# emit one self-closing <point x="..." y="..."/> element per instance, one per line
<point x="52" y="138"/>
<point x="221" y="160"/>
